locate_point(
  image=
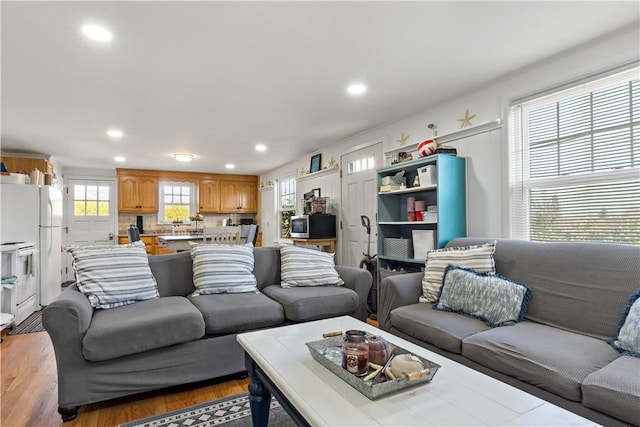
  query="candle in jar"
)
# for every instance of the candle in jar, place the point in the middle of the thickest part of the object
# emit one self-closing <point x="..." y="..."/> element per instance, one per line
<point x="355" y="352"/>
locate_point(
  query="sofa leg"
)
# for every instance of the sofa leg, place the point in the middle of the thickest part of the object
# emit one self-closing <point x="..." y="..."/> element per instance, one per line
<point x="69" y="413"/>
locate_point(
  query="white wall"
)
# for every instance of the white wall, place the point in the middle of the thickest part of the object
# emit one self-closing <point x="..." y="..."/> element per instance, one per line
<point x="487" y="162"/>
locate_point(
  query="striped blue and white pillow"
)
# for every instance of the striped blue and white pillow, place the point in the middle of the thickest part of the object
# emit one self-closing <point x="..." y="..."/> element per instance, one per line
<point x="493" y="299"/>
<point x="219" y="269"/>
<point x="113" y="276"/>
<point x="307" y="267"/>
<point x="479" y="258"/>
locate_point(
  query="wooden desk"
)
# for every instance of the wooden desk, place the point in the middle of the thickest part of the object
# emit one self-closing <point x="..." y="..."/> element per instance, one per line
<point x="329" y="243"/>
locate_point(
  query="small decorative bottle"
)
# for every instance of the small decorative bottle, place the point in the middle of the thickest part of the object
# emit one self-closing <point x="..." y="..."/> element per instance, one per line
<point x="355" y="352"/>
<point x="416" y="181"/>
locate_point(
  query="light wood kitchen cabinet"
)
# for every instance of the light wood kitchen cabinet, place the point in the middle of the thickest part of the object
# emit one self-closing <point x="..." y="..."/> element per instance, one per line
<point x="239" y="196"/>
<point x="137" y="193"/>
<point x="209" y="196"/>
<point x="26" y="164"/>
<point x="150" y="243"/>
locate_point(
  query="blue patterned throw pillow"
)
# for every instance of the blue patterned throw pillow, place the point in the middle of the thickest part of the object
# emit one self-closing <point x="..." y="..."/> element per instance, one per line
<point x="491" y="298"/>
<point x="628" y="339"/>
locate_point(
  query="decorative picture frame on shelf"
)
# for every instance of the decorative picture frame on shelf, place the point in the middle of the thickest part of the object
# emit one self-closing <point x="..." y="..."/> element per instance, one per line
<point x="315" y="163"/>
<point x="316" y="192"/>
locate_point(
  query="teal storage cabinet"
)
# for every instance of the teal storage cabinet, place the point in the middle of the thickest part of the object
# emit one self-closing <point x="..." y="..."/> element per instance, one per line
<point x="447" y="192"/>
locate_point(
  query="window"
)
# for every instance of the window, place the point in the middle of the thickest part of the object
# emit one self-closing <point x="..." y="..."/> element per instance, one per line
<point x="177" y="201"/>
<point x="361" y="165"/>
<point x="91" y="200"/>
<point x="286" y="205"/>
<point x="575" y="163"/>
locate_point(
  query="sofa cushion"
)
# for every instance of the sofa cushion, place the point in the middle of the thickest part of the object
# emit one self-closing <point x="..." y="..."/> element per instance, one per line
<point x="311" y="303"/>
<point x="113" y="276"/>
<point x="547" y="357"/>
<point x="307" y="267"/>
<point x="443" y="329"/>
<point x="144" y="326"/>
<point x="230" y="313"/>
<point x="488" y="297"/>
<point x="628" y="339"/>
<point x="615" y="389"/>
<point x="223" y="269"/>
<point x="479" y="258"/>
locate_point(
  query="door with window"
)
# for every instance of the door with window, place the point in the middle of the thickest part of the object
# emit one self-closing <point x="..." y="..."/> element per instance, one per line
<point x="91" y="215"/>
<point x="359" y="189"/>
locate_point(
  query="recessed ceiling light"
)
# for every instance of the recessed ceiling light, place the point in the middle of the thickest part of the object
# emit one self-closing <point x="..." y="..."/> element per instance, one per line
<point x="97" y="33"/>
<point x="183" y="157"/>
<point x="357" y="89"/>
<point x="230" y="166"/>
<point x="115" y="133"/>
<point x="119" y="159"/>
<point x="261" y="147"/>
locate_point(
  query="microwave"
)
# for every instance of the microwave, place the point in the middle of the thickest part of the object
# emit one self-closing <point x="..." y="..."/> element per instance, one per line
<point x="313" y="226"/>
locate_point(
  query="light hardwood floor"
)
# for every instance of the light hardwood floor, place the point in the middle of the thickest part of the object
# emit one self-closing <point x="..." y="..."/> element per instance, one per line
<point x="29" y="390"/>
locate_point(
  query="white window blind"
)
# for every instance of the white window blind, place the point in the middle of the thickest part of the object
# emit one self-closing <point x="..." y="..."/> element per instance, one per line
<point x="575" y="163"/>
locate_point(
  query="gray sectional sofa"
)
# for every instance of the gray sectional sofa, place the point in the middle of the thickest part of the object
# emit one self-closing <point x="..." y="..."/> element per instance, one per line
<point x="177" y="338"/>
<point x="558" y="352"/>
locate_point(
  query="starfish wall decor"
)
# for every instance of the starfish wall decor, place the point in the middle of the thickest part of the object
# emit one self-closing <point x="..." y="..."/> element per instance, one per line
<point x="403" y="139"/>
<point x="466" y="120"/>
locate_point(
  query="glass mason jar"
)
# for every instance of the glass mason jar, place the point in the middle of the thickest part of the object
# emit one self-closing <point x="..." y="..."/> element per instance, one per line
<point x="355" y="352"/>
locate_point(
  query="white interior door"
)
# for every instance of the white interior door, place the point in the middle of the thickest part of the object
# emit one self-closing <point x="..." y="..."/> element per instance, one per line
<point x="268" y="216"/>
<point x="359" y="190"/>
<point x="91" y="215"/>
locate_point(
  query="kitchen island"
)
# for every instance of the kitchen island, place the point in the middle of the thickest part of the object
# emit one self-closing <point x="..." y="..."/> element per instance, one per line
<point x="179" y="243"/>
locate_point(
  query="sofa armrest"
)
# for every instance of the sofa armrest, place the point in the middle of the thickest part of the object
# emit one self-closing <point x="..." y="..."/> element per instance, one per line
<point x="66" y="320"/>
<point x="397" y="291"/>
<point x="360" y="281"/>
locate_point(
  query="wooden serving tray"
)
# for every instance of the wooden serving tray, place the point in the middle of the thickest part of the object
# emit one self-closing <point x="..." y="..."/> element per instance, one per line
<point x="322" y="348"/>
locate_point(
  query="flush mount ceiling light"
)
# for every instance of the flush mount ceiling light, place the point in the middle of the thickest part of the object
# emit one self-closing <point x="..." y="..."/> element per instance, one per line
<point x="261" y="147"/>
<point x="183" y="157"/>
<point x="115" y="133"/>
<point x="119" y="159"/>
<point x="230" y="166"/>
<point x="95" y="32"/>
<point x="357" y="89"/>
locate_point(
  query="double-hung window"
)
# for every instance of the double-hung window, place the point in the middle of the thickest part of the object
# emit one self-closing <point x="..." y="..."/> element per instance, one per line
<point x="575" y="163"/>
<point x="177" y="201"/>
<point x="286" y="204"/>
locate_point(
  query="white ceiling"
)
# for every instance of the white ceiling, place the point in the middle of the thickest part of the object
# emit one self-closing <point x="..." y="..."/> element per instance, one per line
<point x="215" y="78"/>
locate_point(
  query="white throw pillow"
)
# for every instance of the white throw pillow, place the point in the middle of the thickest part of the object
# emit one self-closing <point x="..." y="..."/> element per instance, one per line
<point x="307" y="267"/>
<point x="113" y="276"/>
<point x="478" y="258"/>
<point x="220" y="269"/>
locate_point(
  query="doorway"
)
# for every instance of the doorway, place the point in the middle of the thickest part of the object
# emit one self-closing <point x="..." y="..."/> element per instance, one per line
<point x="91" y="215"/>
<point x="359" y="190"/>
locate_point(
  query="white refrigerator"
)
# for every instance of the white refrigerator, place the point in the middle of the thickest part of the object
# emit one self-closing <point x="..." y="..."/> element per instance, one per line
<point x="50" y="244"/>
<point x="29" y="213"/>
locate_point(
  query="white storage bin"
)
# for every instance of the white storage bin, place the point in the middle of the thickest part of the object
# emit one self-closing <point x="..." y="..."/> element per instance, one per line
<point x="428" y="176"/>
<point x="423" y="242"/>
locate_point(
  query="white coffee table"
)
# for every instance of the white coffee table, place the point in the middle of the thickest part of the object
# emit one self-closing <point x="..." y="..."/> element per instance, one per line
<point x="279" y="363"/>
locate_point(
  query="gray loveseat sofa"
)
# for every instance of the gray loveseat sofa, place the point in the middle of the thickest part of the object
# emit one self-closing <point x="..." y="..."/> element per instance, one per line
<point x="177" y="338"/>
<point x="558" y="352"/>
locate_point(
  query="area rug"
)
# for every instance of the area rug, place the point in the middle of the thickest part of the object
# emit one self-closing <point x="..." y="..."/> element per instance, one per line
<point x="233" y="411"/>
<point x="31" y="324"/>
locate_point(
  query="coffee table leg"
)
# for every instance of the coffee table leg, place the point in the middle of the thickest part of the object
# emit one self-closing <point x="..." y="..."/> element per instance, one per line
<point x="259" y="396"/>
